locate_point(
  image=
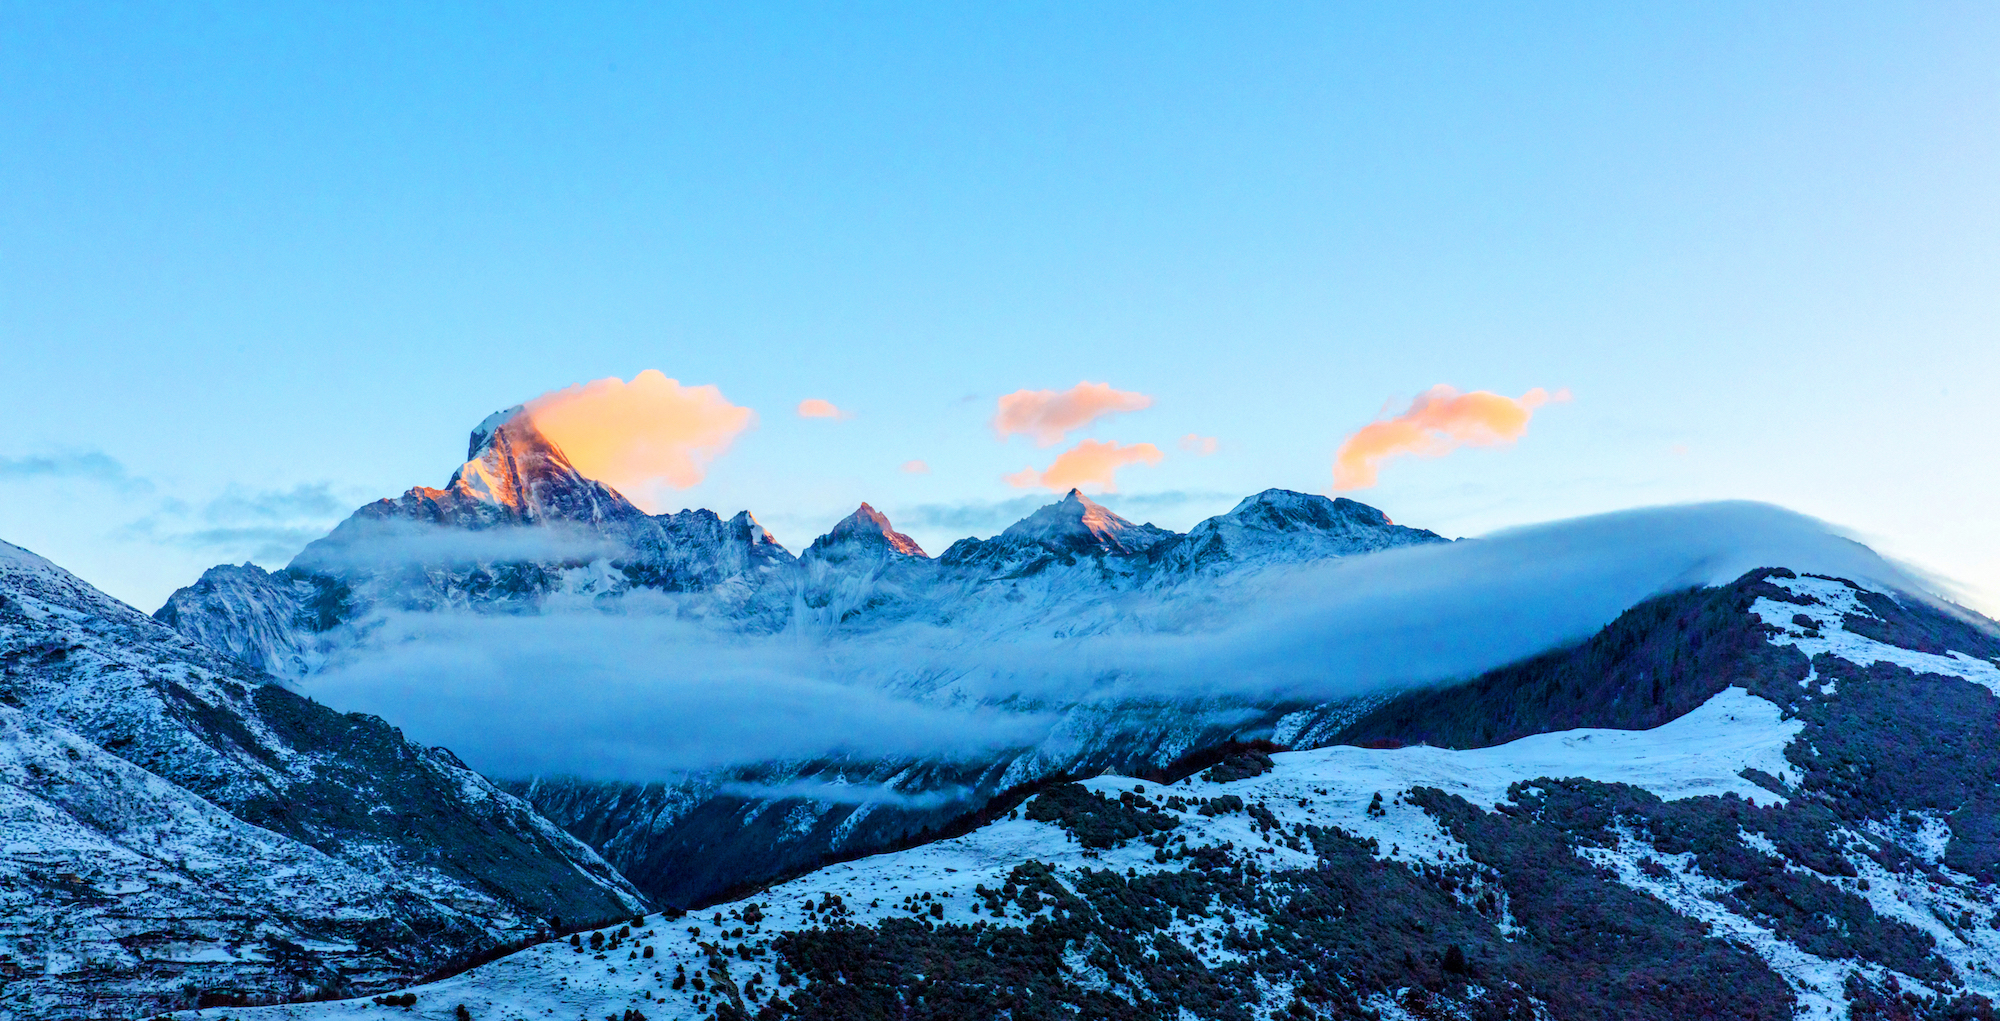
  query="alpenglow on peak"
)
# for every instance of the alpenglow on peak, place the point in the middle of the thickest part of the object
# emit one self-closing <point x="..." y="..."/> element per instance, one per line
<point x="868" y="525"/>
<point x="511" y="465"/>
<point x="1078" y="521"/>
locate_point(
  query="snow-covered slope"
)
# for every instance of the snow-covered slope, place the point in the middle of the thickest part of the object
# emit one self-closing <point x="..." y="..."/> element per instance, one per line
<point x="1813" y="837"/>
<point x="194" y="830"/>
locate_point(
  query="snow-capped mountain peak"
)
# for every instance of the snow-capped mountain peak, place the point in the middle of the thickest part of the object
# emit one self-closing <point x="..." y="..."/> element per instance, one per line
<point x="1279" y="525"/>
<point x="511" y="465"/>
<point x="867" y="526"/>
<point x="1287" y="511"/>
<point x="1078" y="522"/>
<point x="745" y="529"/>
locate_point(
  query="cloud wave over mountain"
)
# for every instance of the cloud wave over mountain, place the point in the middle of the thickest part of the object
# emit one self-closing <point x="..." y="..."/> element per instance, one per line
<point x="641" y="694"/>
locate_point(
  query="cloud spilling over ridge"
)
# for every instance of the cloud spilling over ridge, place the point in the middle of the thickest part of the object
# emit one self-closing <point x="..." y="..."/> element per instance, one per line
<point x="1438" y="422"/>
<point x="814" y="407"/>
<point x="641" y="436"/>
<point x="640" y="694"/>
<point x="1049" y="415"/>
<point x="1427" y="614"/>
<point x="1091" y="465"/>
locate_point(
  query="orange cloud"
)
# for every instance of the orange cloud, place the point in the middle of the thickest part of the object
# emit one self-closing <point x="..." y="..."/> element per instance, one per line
<point x="640" y="436"/>
<point x="1049" y="415"/>
<point x="916" y="468"/>
<point x="1437" y="423"/>
<point x="813" y="407"/>
<point x="1199" y="446"/>
<point x="1091" y="465"/>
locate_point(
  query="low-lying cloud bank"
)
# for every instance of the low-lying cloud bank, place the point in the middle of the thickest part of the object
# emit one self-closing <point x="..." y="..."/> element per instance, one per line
<point x="384" y="544"/>
<point x="852" y="793"/>
<point x="644" y="696"/>
<point x="636" y="697"/>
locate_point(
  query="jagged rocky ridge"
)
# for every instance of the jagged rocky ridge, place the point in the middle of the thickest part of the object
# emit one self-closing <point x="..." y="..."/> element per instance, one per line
<point x="1804" y="828"/>
<point x="174" y="828"/>
<point x="518" y="529"/>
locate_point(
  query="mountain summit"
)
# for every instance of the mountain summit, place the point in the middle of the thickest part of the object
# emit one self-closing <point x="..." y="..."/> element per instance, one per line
<point x="869" y="527"/>
<point x="513" y="475"/>
<point x="511" y="466"/>
<point x="1079" y="523"/>
<point x="1278" y="525"/>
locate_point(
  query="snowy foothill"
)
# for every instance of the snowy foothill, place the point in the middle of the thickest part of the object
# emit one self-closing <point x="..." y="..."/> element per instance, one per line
<point x="1834" y="601"/>
<point x="1702" y="753"/>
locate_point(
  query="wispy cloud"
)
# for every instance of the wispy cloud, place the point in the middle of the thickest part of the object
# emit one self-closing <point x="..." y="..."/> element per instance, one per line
<point x="1198" y="445"/>
<point x="88" y="465"/>
<point x="263" y="525"/>
<point x="1049" y="415"/>
<point x="814" y="407"/>
<point x="1091" y="464"/>
<point x="266" y="543"/>
<point x="915" y="467"/>
<point x="310" y="500"/>
<point x="969" y="517"/>
<point x="1438" y="422"/>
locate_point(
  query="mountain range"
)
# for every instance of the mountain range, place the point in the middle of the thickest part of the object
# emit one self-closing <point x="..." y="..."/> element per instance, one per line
<point x="518" y="530"/>
<point x="1766" y="791"/>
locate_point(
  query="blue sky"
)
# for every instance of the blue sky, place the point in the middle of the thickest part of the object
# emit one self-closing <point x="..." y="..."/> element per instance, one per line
<point x="263" y="263"/>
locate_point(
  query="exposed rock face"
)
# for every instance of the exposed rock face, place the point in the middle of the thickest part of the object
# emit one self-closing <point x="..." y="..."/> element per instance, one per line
<point x="183" y="828"/>
<point x="269" y="620"/>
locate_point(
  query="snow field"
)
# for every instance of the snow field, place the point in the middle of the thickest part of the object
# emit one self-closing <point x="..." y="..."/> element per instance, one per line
<point x="1836" y="601"/>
